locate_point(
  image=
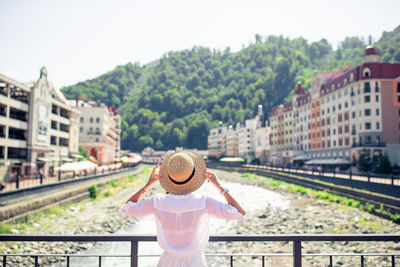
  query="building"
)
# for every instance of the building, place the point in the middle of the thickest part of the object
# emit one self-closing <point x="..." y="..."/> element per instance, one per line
<point x="232" y="142"/>
<point x="353" y="110"/>
<point x="99" y="130"/>
<point x="37" y="128"/>
<point x="216" y="141"/>
<point x="248" y="140"/>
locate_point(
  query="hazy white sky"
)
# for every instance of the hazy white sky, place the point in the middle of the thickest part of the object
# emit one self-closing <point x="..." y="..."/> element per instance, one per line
<point x="81" y="39"/>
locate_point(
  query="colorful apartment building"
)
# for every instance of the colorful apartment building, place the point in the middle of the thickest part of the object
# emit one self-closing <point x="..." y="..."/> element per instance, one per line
<point x="352" y="110"/>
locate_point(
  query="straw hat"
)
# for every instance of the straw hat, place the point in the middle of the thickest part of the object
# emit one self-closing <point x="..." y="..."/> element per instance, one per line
<point x="182" y="172"/>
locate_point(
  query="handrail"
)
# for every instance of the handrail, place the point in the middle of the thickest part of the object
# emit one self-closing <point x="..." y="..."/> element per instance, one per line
<point x="135" y="239"/>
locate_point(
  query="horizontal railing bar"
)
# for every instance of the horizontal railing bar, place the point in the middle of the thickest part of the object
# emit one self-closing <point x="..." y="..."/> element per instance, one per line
<point x="67" y="255"/>
<point x="215" y="238"/>
<point x="207" y="255"/>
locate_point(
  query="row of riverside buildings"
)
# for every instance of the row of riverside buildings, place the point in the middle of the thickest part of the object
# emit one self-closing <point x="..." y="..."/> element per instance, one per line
<point x="40" y="129"/>
<point x="342" y="113"/>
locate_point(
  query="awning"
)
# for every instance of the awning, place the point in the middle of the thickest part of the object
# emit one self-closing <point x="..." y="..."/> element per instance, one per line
<point x="327" y="162"/>
<point x="77" y="156"/>
<point x="77" y="166"/>
<point x="44" y="159"/>
<point x="66" y="159"/>
<point x="302" y="157"/>
<point x="232" y="159"/>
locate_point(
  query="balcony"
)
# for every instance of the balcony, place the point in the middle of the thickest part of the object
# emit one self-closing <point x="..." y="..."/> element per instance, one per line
<point x="369" y="144"/>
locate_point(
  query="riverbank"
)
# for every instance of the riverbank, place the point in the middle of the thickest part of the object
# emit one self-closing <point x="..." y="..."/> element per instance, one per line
<point x="305" y="214"/>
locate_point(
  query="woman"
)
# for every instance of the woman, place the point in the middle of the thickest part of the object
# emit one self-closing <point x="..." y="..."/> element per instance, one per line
<point x="182" y="218"/>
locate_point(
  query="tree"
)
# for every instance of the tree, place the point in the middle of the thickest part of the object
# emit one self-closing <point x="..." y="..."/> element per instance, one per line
<point x="381" y="164"/>
<point x="364" y="161"/>
<point x="83" y="152"/>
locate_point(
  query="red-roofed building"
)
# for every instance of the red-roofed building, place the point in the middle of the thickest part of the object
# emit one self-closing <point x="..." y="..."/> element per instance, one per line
<point x="354" y="109"/>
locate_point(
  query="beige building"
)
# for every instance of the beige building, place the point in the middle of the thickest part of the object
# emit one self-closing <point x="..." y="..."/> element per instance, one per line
<point x="37" y="128"/>
<point x="216" y="145"/>
<point x="99" y="130"/>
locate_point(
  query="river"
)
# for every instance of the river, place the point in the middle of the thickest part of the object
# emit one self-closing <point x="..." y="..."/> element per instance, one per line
<point x="252" y="198"/>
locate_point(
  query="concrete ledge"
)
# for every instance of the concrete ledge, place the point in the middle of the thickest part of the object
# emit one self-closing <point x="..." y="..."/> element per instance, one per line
<point x="20" y="210"/>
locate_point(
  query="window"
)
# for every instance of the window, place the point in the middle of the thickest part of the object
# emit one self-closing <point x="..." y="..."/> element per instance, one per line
<point x="81" y="129"/>
<point x="367" y="126"/>
<point x="398" y="87"/>
<point x="81" y="120"/>
<point x="333" y="109"/>
<point x="353" y="114"/>
<point x="376" y="87"/>
<point x="367" y="88"/>
<point x="367" y="112"/>
<point x="377" y="112"/>
<point x="53" y="140"/>
<point x="377" y="98"/>
<point x="377" y="126"/>
<point x="340" y="106"/>
<point x="91" y="120"/>
<point x="54" y="125"/>
<point x="367" y="99"/>
<point x="97" y="119"/>
<point x="345" y="104"/>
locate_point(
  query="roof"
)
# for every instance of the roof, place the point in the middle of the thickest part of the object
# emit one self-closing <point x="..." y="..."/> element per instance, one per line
<point x="378" y="71"/>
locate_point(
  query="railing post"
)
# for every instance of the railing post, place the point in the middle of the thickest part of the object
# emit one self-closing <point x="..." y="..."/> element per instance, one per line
<point x="17" y="182"/>
<point x="134" y="253"/>
<point x="231" y="261"/>
<point x="393" y="264"/>
<point x="362" y="261"/>
<point x="392" y="176"/>
<point x="369" y="177"/>
<point x="4" y="260"/>
<point x="330" y="261"/>
<point x="297" y="253"/>
<point x="350" y="173"/>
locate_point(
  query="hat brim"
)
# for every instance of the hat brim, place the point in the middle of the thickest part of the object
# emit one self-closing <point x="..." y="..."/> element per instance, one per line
<point x="193" y="184"/>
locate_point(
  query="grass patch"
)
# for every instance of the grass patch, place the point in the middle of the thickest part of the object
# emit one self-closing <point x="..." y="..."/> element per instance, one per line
<point x="370" y="224"/>
<point x="396" y="218"/>
<point x="5" y="228"/>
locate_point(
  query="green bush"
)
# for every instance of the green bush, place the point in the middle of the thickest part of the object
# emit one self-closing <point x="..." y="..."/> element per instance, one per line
<point x="94" y="191"/>
<point x="370" y="208"/>
<point x="5" y="228"/>
<point x="396" y="218"/>
<point x="113" y="184"/>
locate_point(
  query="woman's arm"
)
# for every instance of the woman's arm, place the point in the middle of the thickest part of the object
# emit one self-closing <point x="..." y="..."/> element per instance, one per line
<point x="212" y="177"/>
<point x="154" y="177"/>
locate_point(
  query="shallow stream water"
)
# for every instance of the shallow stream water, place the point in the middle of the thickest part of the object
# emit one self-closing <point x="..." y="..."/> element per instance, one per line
<point x="251" y="198"/>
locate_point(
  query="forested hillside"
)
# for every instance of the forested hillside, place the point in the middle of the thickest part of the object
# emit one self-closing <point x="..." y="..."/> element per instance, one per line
<point x="176" y="100"/>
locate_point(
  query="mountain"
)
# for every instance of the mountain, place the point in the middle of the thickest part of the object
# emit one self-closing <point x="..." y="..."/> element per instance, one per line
<point x="177" y="99"/>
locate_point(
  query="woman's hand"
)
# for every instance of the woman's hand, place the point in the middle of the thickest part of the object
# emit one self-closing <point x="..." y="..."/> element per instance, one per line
<point x="154" y="177"/>
<point x="212" y="177"/>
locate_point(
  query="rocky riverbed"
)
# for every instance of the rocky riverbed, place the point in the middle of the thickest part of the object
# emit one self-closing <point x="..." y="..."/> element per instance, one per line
<point x="302" y="214"/>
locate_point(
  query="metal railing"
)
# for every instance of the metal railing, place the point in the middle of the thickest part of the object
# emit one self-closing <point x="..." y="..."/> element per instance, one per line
<point x="369" y="177"/>
<point x="136" y="239"/>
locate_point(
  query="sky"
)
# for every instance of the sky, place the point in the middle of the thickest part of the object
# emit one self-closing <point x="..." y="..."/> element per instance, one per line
<point x="81" y="39"/>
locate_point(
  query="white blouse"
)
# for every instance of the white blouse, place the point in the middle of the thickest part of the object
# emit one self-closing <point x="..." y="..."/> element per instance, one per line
<point x="182" y="220"/>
